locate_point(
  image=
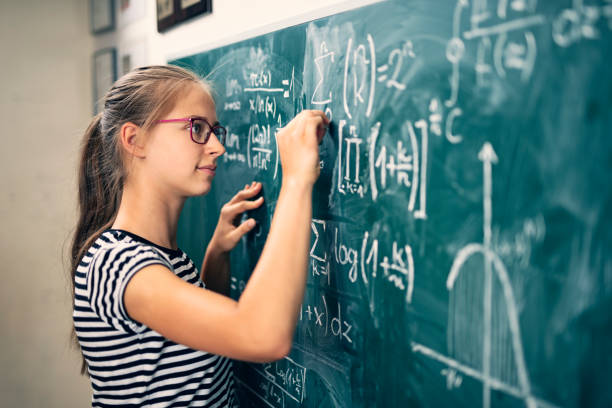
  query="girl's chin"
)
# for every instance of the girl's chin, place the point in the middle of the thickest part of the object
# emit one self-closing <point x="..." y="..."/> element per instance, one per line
<point x="198" y="190"/>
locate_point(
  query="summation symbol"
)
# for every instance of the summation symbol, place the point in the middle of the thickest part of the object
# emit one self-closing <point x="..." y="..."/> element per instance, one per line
<point x="493" y="267"/>
<point x="321" y="62"/>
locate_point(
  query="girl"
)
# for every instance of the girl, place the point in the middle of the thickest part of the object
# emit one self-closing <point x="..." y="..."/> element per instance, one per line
<point x="152" y="331"/>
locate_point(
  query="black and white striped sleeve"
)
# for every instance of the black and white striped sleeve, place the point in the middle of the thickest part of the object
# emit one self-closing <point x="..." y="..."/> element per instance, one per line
<point x="110" y="272"/>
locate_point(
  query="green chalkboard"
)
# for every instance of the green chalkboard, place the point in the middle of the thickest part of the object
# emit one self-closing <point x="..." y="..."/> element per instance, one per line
<point x="461" y="236"/>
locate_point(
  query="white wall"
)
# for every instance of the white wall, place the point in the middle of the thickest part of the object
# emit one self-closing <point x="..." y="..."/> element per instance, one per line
<point x="45" y="101"/>
<point x="45" y="106"/>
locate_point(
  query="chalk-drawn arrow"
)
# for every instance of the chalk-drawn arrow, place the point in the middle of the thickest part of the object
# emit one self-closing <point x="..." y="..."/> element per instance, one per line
<point x="487" y="156"/>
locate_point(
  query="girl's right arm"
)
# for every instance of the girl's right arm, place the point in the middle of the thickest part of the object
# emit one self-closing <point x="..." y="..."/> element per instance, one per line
<point x="260" y="325"/>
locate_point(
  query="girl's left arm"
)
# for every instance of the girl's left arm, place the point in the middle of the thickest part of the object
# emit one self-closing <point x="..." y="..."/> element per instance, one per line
<point x="216" y="266"/>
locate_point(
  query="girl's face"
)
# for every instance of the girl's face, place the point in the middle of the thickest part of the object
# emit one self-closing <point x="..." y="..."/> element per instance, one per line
<point x="173" y="162"/>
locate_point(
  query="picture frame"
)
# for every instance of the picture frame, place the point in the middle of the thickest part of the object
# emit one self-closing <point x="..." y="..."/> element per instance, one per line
<point x="102" y="16"/>
<point x="104" y="63"/>
<point x="172" y="12"/>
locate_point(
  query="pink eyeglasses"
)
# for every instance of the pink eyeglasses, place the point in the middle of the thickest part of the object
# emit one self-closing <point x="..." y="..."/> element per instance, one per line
<point x="200" y="129"/>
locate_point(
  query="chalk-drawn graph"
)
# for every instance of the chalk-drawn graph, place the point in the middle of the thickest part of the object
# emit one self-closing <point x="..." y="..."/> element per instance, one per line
<point x="479" y="367"/>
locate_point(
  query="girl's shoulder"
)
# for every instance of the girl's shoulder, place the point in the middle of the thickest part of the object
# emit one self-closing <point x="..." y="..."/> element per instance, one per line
<point x="113" y="244"/>
<point x="114" y="236"/>
<point x="123" y="253"/>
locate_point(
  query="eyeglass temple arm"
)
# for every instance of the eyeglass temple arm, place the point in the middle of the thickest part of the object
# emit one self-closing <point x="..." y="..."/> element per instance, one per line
<point x="176" y="120"/>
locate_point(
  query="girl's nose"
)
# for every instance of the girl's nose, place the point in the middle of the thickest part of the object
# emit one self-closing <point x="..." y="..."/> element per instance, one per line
<point x="214" y="146"/>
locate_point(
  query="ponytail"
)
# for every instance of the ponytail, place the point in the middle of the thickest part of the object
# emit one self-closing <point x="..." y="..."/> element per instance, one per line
<point x="99" y="192"/>
<point x="99" y="188"/>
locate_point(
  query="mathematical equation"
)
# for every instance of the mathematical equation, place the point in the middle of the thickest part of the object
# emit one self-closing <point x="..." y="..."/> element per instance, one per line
<point x="280" y="384"/>
<point x="266" y="98"/>
<point x="383" y="156"/>
<point x="364" y="167"/>
<point x="504" y="34"/>
<point x="360" y="263"/>
<point x="323" y="317"/>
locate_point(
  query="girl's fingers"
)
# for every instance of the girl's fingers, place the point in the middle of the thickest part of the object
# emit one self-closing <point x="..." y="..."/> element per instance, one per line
<point x="315" y="127"/>
<point x="321" y="131"/>
<point x="248" y="191"/>
<point x="319" y="114"/>
<point x="322" y="115"/>
<point x="317" y="123"/>
<point x="239" y="207"/>
<point x="242" y="229"/>
<point x="322" y="128"/>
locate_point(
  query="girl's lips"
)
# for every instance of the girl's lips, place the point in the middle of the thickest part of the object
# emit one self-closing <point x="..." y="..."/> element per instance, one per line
<point x="208" y="169"/>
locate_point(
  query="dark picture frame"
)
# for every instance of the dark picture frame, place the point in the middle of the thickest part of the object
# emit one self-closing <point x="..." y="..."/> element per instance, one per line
<point x="173" y="12"/>
<point x="104" y="69"/>
<point x="102" y="16"/>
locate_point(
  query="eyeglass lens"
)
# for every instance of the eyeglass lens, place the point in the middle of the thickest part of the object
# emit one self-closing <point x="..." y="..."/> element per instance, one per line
<point x="201" y="130"/>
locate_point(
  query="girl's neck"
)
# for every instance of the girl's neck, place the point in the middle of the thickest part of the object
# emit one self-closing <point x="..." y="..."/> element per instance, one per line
<point x="149" y="215"/>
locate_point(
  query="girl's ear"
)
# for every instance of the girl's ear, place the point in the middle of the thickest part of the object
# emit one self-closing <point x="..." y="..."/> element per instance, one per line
<point x="131" y="136"/>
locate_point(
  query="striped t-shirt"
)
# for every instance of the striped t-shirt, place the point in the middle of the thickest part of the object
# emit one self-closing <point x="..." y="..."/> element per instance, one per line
<point x="131" y="365"/>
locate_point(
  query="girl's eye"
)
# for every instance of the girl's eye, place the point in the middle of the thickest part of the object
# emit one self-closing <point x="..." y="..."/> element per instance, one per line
<point x="196" y="128"/>
<point x="199" y="131"/>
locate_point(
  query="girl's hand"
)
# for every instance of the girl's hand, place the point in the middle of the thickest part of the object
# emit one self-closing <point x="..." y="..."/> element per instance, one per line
<point x="298" y="145"/>
<point x="229" y="230"/>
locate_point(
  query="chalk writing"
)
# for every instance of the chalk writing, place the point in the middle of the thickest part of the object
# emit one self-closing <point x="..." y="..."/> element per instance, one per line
<point x="406" y="165"/>
<point x="349" y="160"/>
<point x="277" y="384"/>
<point x="322" y="62"/>
<point x="327" y="318"/>
<point x="363" y="262"/>
<point x="580" y="22"/>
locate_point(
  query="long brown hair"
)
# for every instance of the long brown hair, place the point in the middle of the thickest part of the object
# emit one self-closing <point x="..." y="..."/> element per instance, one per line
<point x="142" y="97"/>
